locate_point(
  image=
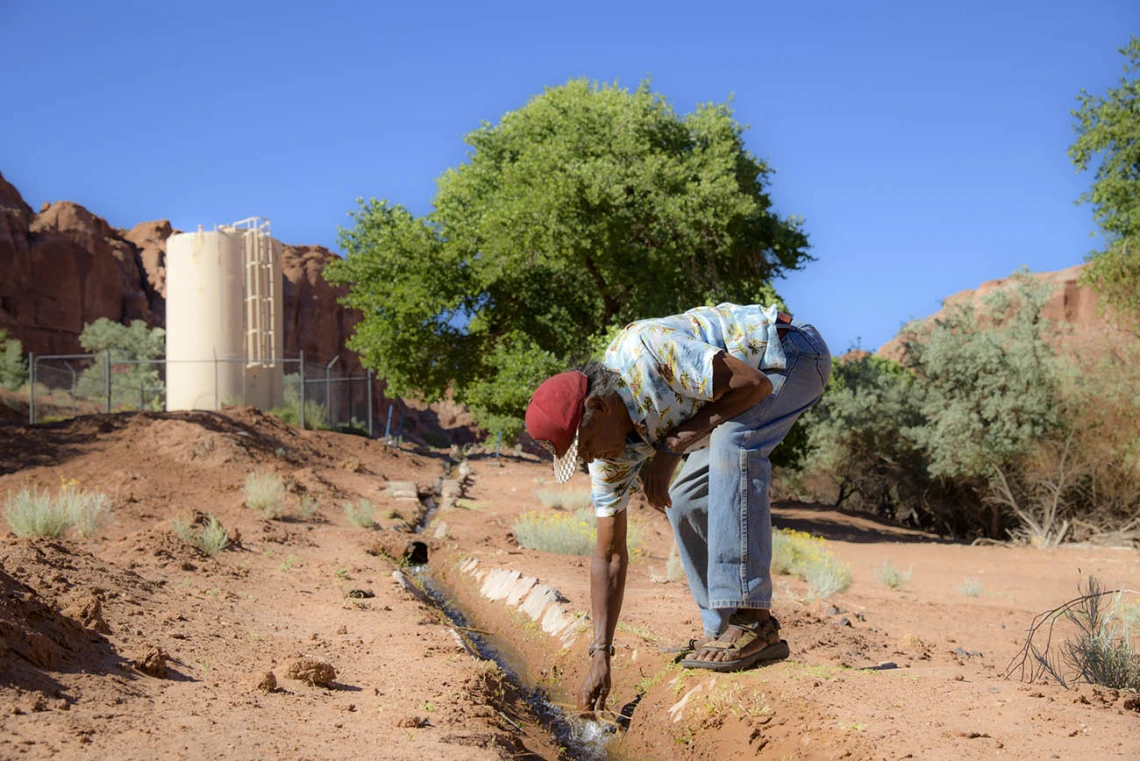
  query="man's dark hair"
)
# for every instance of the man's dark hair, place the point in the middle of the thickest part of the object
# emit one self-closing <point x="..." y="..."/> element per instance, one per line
<point x="601" y="381"/>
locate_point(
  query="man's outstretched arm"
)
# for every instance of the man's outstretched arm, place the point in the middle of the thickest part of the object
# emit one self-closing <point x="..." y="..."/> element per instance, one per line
<point x="607" y="588"/>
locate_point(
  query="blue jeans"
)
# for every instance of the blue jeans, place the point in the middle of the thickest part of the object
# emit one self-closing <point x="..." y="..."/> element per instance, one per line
<point x="721" y="512"/>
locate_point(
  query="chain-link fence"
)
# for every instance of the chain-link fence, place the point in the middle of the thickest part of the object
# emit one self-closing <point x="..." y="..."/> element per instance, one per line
<point x="312" y="394"/>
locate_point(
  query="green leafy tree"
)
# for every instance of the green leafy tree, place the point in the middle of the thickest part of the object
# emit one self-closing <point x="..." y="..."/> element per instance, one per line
<point x="130" y="383"/>
<point x="587" y="208"/>
<point x="1108" y="128"/>
<point x="991" y="381"/>
<point x="13" y="363"/>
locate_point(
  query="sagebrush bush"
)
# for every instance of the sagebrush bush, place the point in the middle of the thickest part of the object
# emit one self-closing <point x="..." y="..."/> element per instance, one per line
<point x="361" y="513"/>
<point x="85" y="511"/>
<point x="891" y="576"/>
<point x="799" y="554"/>
<point x="566" y="533"/>
<point x="970" y="587"/>
<point x="264" y="493"/>
<point x="307" y="506"/>
<point x="32" y="512"/>
<point x="560" y="533"/>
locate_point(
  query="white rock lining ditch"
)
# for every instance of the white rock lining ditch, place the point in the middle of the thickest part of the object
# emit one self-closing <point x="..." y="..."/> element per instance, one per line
<point x="540" y="602"/>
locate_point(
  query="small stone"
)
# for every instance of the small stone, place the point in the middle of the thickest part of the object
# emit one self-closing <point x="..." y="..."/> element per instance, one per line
<point x="887" y="666"/>
<point x="63" y="704"/>
<point x="342" y="630"/>
<point x="844" y="621"/>
<point x="266" y="683"/>
<point x="833" y="610"/>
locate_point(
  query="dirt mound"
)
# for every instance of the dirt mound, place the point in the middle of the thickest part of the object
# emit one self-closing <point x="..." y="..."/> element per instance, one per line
<point x="38" y="578"/>
<point x="32" y="629"/>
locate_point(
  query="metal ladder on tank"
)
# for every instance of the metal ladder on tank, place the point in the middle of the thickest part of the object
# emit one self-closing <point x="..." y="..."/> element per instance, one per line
<point x="260" y="306"/>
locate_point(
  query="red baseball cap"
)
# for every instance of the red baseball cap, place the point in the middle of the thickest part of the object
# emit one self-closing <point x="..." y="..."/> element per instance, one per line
<point x="552" y="419"/>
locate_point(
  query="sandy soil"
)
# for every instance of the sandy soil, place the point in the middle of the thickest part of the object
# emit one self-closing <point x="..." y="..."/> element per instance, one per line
<point x="132" y="645"/>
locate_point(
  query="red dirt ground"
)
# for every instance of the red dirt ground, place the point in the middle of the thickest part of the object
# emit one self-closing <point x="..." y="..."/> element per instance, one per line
<point x="82" y="622"/>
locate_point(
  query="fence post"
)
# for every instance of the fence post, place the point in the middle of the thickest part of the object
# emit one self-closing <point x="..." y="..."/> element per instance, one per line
<point x="107" y="376"/>
<point x="400" y="430"/>
<point x="32" y="388"/>
<point x="74" y="381"/>
<point x="301" y="413"/>
<point x="388" y="428"/>
<point x="370" y="404"/>
<point x="498" y="444"/>
<point x="328" y="393"/>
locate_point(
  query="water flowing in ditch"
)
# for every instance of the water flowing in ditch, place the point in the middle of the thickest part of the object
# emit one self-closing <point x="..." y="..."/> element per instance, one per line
<point x="583" y="740"/>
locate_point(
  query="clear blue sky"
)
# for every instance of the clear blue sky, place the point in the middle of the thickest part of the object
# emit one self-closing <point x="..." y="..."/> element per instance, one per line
<point x="923" y="142"/>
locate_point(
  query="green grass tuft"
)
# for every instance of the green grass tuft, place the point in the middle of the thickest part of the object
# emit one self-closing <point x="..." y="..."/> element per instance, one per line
<point x="212" y="539"/>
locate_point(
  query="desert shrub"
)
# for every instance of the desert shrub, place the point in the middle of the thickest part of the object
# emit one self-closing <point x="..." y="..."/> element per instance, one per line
<point x="31" y="512"/>
<point x="86" y="511"/>
<point x="13" y="363"/>
<point x="134" y="343"/>
<point x="567" y="533"/>
<point x="891" y="576"/>
<point x="307" y="506"/>
<point x="360" y="513"/>
<point x="860" y="447"/>
<point x="316" y="415"/>
<point x="568" y="498"/>
<point x="799" y="554"/>
<point x="1101" y="647"/>
<point x="970" y="587"/>
<point x="560" y="533"/>
<point x="981" y="429"/>
<point x="211" y="539"/>
<point x="265" y="493"/>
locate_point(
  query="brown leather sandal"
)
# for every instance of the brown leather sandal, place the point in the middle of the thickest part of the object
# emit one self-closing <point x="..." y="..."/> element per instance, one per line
<point x="775" y="648"/>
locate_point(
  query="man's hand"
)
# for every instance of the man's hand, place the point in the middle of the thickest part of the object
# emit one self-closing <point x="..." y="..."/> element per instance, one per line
<point x="656" y="477"/>
<point x="596" y="687"/>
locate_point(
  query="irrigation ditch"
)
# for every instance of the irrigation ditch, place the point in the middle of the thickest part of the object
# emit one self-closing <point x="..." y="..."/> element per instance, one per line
<point x="538" y="640"/>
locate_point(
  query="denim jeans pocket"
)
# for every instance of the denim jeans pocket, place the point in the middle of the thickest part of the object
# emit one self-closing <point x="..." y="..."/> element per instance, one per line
<point x="802" y="342"/>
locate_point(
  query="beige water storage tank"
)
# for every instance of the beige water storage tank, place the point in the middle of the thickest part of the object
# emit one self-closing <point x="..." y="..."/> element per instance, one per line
<point x="224" y="336"/>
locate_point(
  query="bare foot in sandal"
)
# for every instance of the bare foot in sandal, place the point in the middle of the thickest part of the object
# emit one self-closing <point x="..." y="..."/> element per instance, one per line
<point x="752" y="637"/>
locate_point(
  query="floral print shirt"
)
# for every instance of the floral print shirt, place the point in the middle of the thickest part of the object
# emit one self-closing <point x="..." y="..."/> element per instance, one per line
<point x="665" y="366"/>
